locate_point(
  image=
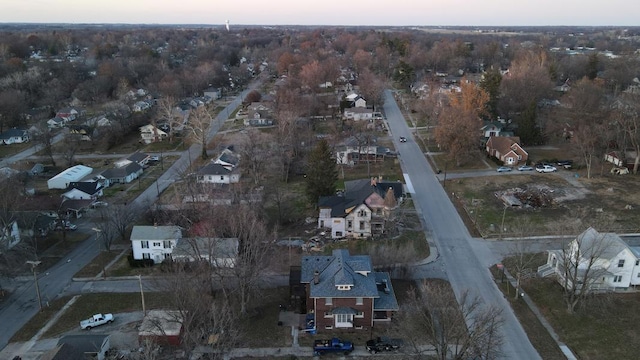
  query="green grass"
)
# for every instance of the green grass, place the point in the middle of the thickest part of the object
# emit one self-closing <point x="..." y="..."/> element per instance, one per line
<point x="260" y="328"/>
<point x="96" y="265"/>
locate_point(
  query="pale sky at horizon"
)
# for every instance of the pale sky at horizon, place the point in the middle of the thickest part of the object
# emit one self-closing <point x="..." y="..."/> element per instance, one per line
<point x="327" y="12"/>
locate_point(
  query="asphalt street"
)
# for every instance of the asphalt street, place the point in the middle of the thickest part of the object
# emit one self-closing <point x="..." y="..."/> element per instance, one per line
<point x="462" y="262"/>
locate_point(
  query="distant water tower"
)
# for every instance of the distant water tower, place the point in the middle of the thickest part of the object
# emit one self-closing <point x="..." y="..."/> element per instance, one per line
<point x="226" y="24"/>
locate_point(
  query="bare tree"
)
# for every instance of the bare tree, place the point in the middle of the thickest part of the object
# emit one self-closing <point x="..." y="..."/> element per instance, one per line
<point x="44" y="138"/>
<point x="579" y="271"/>
<point x="627" y="117"/>
<point x="256" y="152"/>
<point x="198" y="127"/>
<point x="457" y="329"/>
<point x="167" y="114"/>
<point x="117" y="219"/>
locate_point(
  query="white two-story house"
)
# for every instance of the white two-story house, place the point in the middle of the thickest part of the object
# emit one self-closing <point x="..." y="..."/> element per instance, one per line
<point x="612" y="263"/>
<point x="361" y="210"/>
<point x="154" y="242"/>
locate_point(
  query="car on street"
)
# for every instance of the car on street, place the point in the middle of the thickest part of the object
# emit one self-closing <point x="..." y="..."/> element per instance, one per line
<point x="525" y="168"/>
<point x="503" y="169"/>
<point x="383" y="343"/>
<point x="96" y="320"/>
<point x="403" y="139"/>
<point x="546" y="168"/>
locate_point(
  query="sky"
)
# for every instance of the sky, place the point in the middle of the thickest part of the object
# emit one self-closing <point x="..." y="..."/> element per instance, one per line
<point x="327" y="12"/>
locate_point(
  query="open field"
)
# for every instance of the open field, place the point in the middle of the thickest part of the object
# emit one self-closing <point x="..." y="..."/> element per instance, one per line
<point x="553" y="204"/>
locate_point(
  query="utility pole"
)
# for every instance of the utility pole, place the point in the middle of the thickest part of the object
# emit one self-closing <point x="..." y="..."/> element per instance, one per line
<point x="144" y="309"/>
<point x="34" y="264"/>
<point x="104" y="270"/>
<point x="504" y="212"/>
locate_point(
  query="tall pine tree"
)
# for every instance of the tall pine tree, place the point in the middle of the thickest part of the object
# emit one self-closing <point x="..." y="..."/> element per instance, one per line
<point x="322" y="172"/>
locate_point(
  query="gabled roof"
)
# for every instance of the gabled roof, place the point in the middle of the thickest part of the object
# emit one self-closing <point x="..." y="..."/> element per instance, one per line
<point x="138" y="156"/>
<point x="142" y="232"/>
<point x="356" y="192"/>
<point x="13" y="133"/>
<point x="121" y="172"/>
<point x="63" y="351"/>
<point x="88" y="187"/>
<point x="213" y="169"/>
<point x="337" y="270"/>
<point x="601" y="245"/>
<point x="504" y="144"/>
<point x="85" y="343"/>
<point x="199" y="247"/>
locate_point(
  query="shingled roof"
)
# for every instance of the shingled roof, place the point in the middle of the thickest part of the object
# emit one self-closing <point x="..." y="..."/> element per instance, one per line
<point x="356" y="192"/>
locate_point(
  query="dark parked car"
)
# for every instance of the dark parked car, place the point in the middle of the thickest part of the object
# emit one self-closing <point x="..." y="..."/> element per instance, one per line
<point x="383" y="343"/>
<point x="403" y="139"/>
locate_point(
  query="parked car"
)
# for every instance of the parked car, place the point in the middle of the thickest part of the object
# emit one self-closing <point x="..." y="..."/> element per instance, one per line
<point x="546" y="169"/>
<point x="565" y="163"/>
<point x="503" y="169"/>
<point x="66" y="225"/>
<point x="333" y="345"/>
<point x="384" y="343"/>
<point x="525" y="168"/>
<point x="154" y="158"/>
<point x="403" y="139"/>
<point x="96" y="320"/>
<point x="99" y="204"/>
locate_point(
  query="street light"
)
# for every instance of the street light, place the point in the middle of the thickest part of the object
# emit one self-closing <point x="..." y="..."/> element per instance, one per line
<point x="34" y="264"/>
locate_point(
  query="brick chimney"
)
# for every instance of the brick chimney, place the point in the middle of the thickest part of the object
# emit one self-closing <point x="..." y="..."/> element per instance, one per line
<point x="316" y="277"/>
<point x="373" y="181"/>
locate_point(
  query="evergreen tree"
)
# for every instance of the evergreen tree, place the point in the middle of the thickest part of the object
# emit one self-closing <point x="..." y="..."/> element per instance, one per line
<point x="528" y="129"/>
<point x="490" y="83"/>
<point x="322" y="172"/>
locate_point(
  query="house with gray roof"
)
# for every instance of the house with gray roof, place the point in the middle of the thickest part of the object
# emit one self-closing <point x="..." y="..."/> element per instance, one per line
<point x="361" y="210"/>
<point x="93" y="346"/>
<point x="124" y="174"/>
<point x="215" y="173"/>
<point x="154" y="242"/>
<point x="604" y="261"/>
<point x="354" y="151"/>
<point x="343" y="291"/>
<point x="14" y="136"/>
<point x="219" y="252"/>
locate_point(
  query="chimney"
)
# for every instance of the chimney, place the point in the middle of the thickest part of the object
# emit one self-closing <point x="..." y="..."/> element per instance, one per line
<point x="379" y="178"/>
<point x="373" y="181"/>
<point x="316" y="277"/>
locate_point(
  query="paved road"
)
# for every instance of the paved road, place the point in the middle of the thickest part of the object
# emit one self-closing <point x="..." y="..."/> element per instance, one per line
<point x="22" y="305"/>
<point x="463" y="267"/>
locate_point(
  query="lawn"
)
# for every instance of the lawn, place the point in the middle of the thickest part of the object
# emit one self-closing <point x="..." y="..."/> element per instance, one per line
<point x="605" y="328"/>
<point x="94" y="268"/>
<point x="85" y="306"/>
<point x="260" y="327"/>
<point x="389" y="169"/>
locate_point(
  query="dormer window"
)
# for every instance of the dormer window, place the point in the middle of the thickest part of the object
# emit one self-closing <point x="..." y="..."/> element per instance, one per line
<point x="344" y="287"/>
<point x="362" y="213"/>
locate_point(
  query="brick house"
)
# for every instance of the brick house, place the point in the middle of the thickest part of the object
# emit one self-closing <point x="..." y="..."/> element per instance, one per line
<point x="507" y="149"/>
<point x="344" y="292"/>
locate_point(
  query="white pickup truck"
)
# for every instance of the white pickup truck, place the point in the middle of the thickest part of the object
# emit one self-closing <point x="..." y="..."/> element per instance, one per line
<point x="96" y="320"/>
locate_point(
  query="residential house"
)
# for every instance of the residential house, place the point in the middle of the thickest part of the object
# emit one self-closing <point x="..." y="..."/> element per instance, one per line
<point x="218" y="252"/>
<point x="63" y="352"/>
<point x="14" y="136"/>
<point x="361" y="210"/>
<point x="99" y="121"/>
<point x="124" y="174"/>
<point x="83" y="132"/>
<point x="34" y="224"/>
<point x="621" y="159"/>
<point x="69" y="113"/>
<point x="140" y="106"/>
<point x="358" y="114"/>
<point x="356" y="100"/>
<point x="495" y="128"/>
<point x="612" y="263"/>
<point x="140" y="158"/>
<point x="228" y="158"/>
<point x="343" y="291"/>
<point x="75" y="207"/>
<point x="215" y="173"/>
<point x="162" y="327"/>
<point x="507" y="149"/>
<point x="9" y="235"/>
<point x="154" y="242"/>
<point x="94" y="346"/>
<point x="56" y="122"/>
<point x="72" y="174"/>
<point x="213" y="93"/>
<point x="84" y="190"/>
<point x="150" y="134"/>
<point x="353" y="152"/>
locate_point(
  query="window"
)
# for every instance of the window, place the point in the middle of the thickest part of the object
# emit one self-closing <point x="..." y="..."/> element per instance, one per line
<point x="344" y="287"/>
<point x="146" y="256"/>
<point x="360" y="314"/>
<point x="156" y="244"/>
<point x="637" y="262"/>
<point x="344" y="320"/>
<point x="166" y="256"/>
<point x="621" y="263"/>
<point x="328" y="301"/>
<point x="145" y="244"/>
<point x="221" y="177"/>
<point x="359" y="301"/>
<point x="349" y="224"/>
<point x="362" y="213"/>
<point x="167" y="244"/>
<point x="328" y="314"/>
<point x="617" y="278"/>
<point x="361" y="225"/>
